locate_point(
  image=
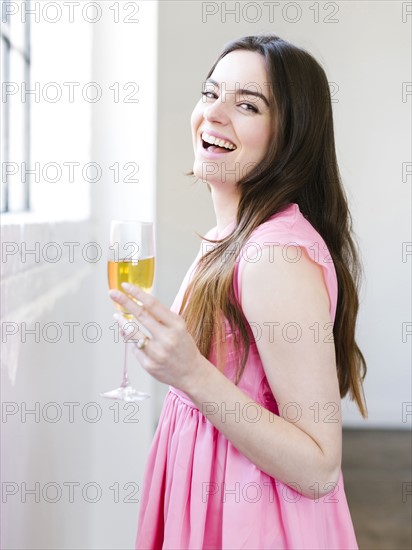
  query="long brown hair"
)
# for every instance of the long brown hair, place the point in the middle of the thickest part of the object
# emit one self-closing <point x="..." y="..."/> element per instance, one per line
<point x="300" y="166"/>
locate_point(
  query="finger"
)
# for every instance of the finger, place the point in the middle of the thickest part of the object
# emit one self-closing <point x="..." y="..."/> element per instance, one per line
<point x="150" y="348"/>
<point x="131" y="333"/>
<point x="144" y="361"/>
<point x="151" y="304"/>
<point x="129" y="330"/>
<point x="139" y="313"/>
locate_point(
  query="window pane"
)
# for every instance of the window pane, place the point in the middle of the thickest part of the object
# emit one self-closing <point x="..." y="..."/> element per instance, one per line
<point x="17" y="29"/>
<point x="5" y="20"/>
<point x="4" y="122"/>
<point x="17" y="133"/>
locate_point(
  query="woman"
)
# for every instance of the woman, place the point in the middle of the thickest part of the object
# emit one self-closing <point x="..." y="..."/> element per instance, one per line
<point x="247" y="452"/>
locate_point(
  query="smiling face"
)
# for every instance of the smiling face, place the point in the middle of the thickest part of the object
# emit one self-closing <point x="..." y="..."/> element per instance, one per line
<point x="234" y="116"/>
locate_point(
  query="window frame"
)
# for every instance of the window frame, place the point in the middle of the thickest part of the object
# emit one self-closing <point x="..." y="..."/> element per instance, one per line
<point x="7" y="46"/>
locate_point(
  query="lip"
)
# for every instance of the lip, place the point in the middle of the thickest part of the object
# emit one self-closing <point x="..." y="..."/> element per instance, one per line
<point x="216" y="135"/>
<point x="209" y="154"/>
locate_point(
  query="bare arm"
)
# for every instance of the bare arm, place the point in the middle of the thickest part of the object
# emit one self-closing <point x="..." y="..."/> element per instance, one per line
<point x="303" y="445"/>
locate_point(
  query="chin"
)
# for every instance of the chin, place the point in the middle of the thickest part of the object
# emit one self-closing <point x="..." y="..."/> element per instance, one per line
<point x="208" y="172"/>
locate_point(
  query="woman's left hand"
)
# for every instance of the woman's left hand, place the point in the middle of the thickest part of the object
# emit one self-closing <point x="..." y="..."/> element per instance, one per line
<point x="170" y="354"/>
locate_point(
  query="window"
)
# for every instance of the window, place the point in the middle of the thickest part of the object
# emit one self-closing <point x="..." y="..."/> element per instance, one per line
<point x="15" y="107"/>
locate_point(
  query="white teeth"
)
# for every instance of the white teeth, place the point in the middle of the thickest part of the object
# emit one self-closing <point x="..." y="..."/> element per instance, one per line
<point x="216" y="141"/>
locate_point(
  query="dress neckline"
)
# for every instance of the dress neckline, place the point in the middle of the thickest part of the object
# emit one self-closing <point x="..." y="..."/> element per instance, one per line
<point x="225" y="231"/>
<point x="231" y="226"/>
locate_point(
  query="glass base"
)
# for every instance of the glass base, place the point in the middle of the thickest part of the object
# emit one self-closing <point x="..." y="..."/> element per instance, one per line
<point x="126" y="393"/>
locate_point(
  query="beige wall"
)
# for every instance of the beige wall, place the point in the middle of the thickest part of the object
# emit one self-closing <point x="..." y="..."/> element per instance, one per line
<point x="365" y="55"/>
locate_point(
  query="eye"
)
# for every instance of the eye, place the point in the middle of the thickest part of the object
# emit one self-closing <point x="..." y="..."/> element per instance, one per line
<point x="250" y="107"/>
<point x="209" y="95"/>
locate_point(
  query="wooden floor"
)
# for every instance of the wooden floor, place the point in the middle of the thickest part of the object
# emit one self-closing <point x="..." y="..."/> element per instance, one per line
<point x="376" y="466"/>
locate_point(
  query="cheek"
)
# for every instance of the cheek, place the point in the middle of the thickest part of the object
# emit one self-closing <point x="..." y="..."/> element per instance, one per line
<point x="259" y="141"/>
<point x="196" y="116"/>
<point x="195" y="121"/>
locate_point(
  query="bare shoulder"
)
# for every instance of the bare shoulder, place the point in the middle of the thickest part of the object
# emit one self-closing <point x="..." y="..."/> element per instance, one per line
<point x="284" y="274"/>
<point x="284" y="293"/>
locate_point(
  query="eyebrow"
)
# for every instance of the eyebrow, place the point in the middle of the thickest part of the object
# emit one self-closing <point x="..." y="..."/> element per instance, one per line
<point x="242" y="91"/>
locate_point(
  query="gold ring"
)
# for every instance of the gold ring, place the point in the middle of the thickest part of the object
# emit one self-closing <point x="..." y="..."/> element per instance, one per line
<point x="142" y="342"/>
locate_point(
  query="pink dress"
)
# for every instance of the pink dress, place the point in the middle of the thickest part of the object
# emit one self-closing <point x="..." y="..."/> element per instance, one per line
<point x="199" y="491"/>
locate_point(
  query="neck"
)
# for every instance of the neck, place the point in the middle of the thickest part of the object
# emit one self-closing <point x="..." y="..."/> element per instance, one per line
<point x="225" y="205"/>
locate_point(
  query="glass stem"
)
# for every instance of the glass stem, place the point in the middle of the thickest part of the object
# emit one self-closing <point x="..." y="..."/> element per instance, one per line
<point x="125" y="381"/>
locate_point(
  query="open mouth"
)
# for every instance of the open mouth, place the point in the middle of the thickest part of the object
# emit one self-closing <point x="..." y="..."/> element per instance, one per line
<point x="212" y="144"/>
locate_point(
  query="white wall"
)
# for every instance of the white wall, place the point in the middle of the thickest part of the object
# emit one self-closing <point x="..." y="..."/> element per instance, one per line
<point x="122" y="133"/>
<point x="104" y="459"/>
<point x="45" y="369"/>
<point x="43" y="451"/>
<point x="366" y="55"/>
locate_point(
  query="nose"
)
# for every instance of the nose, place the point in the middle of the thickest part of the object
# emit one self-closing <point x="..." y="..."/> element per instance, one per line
<point x="216" y="111"/>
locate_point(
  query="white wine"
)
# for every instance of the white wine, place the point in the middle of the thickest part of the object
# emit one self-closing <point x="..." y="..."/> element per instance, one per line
<point x="136" y="272"/>
<point x="130" y="259"/>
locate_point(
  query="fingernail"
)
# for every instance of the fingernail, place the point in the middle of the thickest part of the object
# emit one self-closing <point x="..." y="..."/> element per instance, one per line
<point x="127" y="286"/>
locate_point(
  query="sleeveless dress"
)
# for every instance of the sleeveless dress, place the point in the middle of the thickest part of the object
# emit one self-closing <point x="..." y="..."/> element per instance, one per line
<point x="199" y="491"/>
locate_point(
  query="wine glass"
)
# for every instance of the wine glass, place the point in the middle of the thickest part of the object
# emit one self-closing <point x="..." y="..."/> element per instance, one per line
<point x="130" y="260"/>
